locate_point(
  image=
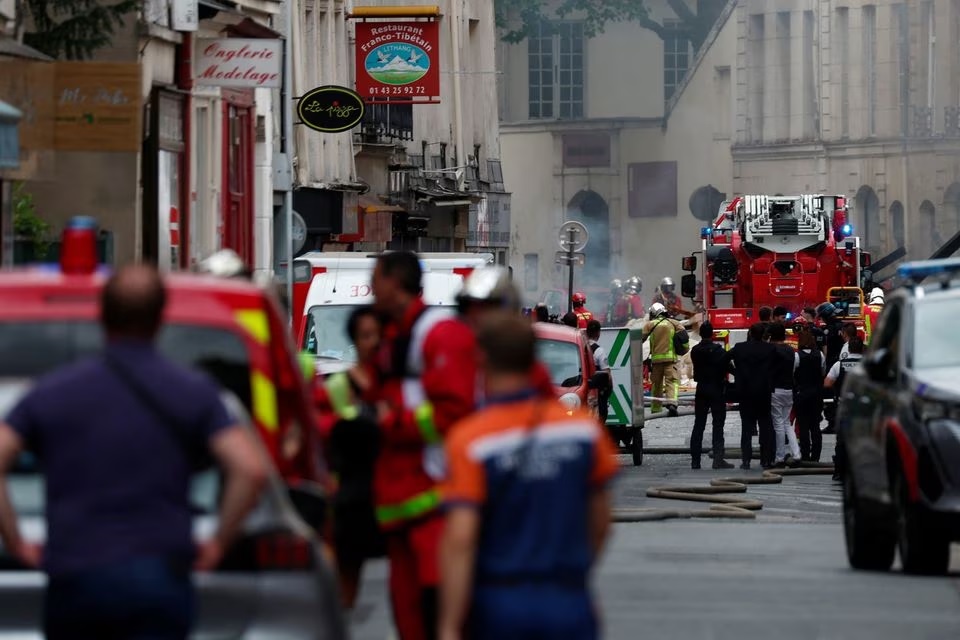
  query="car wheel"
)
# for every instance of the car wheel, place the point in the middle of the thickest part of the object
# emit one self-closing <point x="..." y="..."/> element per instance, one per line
<point x="870" y="548"/>
<point x="637" y="449"/>
<point x="922" y="550"/>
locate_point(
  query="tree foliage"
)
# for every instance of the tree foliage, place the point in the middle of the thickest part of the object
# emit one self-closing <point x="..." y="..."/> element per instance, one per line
<point x="519" y="19"/>
<point x="73" y="29"/>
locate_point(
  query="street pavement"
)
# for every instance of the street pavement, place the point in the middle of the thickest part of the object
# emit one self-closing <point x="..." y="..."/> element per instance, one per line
<point x="783" y="575"/>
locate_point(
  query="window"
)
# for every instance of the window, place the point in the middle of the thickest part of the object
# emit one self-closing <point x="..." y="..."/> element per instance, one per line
<point x="562" y="360"/>
<point x="809" y="94"/>
<point x="495" y="175"/>
<point x="842" y="33"/>
<point x="531" y="271"/>
<point x="903" y="61"/>
<point x="652" y="189"/>
<point x="784" y="99"/>
<point x="676" y="58"/>
<point x="896" y="224"/>
<point x="936" y="318"/>
<point x="724" y="103"/>
<point x="870" y="67"/>
<point x="756" y="64"/>
<point x="34" y="348"/>
<point x="555" y="62"/>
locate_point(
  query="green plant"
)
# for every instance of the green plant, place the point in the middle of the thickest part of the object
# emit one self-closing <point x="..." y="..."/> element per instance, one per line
<point x="26" y="223"/>
<point x="74" y="29"/>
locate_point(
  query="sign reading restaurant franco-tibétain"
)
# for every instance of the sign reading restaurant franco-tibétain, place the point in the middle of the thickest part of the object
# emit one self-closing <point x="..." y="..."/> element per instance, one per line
<point x="239" y="62"/>
<point x="331" y="109"/>
<point x="398" y="61"/>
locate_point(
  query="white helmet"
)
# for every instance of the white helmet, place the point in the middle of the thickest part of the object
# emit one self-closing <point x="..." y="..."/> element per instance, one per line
<point x="225" y="263"/>
<point x="490" y="284"/>
<point x="876" y="296"/>
<point x="657" y="310"/>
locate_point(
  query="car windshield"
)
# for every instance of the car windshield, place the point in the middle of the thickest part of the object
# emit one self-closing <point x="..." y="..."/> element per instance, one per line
<point x="34" y="348"/>
<point x="326" y="334"/>
<point x="562" y="360"/>
<point x="934" y="320"/>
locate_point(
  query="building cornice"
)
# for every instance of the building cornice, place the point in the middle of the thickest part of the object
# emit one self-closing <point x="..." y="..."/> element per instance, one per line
<point x="586" y="124"/>
<point x="874" y="147"/>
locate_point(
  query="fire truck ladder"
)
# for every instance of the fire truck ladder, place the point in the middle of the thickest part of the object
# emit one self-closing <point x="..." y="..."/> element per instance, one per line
<point x="773" y="216"/>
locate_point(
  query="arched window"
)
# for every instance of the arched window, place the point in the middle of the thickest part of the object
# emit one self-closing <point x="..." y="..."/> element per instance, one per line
<point x="591" y="209"/>
<point x="951" y="206"/>
<point x="868" y="210"/>
<point x="896" y="224"/>
<point x="928" y="238"/>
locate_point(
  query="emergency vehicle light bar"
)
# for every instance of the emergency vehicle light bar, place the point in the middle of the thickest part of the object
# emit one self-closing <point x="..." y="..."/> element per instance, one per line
<point x="918" y="271"/>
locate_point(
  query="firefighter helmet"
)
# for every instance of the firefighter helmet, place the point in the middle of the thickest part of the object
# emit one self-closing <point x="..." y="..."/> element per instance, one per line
<point x="635" y="284"/>
<point x="876" y="296"/>
<point x="491" y="285"/>
<point x="657" y="310"/>
<point x="579" y="299"/>
<point x="225" y="263"/>
<point x="616" y="286"/>
<point x="667" y="285"/>
<point x="826" y="311"/>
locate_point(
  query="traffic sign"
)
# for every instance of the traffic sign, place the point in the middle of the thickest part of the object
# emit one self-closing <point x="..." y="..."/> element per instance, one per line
<point x="573" y="232"/>
<point x="563" y="257"/>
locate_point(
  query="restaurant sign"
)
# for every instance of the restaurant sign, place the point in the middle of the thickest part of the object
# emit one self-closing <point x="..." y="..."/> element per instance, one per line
<point x="398" y="61"/>
<point x="331" y="109"/>
<point x="239" y="62"/>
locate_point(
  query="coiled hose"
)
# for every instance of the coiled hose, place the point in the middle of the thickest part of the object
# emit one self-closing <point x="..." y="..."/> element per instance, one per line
<point x="721" y="506"/>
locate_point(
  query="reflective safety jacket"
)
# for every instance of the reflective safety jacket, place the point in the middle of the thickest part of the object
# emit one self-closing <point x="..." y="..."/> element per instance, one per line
<point x="870" y="317"/>
<point x="661" y="332"/>
<point x="427" y="378"/>
<point x="583" y="317"/>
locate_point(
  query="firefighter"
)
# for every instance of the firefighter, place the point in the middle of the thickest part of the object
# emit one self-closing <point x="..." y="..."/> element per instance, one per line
<point x="834" y="382"/>
<point x="630" y="305"/>
<point x="583" y="314"/>
<point x="668" y="341"/>
<point x="616" y="292"/>
<point x="425" y="381"/>
<point x="874" y="307"/>
<point x="667" y="296"/>
<point x="833" y="346"/>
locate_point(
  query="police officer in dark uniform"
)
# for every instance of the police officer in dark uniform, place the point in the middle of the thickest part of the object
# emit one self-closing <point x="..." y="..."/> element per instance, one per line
<point x="833" y="345"/>
<point x="710" y="367"/>
<point x="834" y="380"/>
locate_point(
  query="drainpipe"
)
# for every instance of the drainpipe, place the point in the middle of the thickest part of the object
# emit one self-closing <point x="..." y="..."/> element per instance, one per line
<point x="457" y="113"/>
<point x="286" y="112"/>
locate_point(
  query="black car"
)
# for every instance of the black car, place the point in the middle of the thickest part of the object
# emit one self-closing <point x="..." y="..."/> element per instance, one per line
<point x="899" y="418"/>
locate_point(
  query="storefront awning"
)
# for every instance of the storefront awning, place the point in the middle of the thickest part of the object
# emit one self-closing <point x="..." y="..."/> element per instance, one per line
<point x="373" y="204"/>
<point x="238" y="24"/>
<point x="13" y="49"/>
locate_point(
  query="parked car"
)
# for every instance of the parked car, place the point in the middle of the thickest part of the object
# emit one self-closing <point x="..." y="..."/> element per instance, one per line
<point x="899" y="417"/>
<point x="564" y="352"/>
<point x="274" y="582"/>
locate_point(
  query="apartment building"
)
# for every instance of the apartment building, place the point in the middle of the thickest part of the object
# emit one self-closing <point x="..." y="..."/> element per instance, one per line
<point x="628" y="132"/>
<point x="424" y="175"/>
<point x="861" y="98"/>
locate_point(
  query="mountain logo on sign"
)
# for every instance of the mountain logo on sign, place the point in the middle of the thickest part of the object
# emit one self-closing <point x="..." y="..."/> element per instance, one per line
<point x="397" y="64"/>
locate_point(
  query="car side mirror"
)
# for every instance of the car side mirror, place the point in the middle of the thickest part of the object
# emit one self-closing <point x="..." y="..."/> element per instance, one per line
<point x="878" y="364"/>
<point x="688" y="286"/>
<point x="597" y="380"/>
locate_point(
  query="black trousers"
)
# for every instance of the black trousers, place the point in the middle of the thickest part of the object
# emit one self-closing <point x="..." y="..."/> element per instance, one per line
<point x="809" y="406"/>
<point x="603" y="403"/>
<point x="708" y="400"/>
<point x="755" y="413"/>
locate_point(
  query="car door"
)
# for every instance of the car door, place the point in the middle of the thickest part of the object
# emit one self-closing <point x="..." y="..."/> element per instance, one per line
<point x="872" y="401"/>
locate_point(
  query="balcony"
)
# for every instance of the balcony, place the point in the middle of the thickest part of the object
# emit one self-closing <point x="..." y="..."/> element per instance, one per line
<point x="386" y="124"/>
<point x="951" y="122"/>
<point x="922" y="122"/>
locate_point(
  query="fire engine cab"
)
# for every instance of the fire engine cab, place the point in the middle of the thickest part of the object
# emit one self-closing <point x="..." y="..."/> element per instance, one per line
<point x="792" y="251"/>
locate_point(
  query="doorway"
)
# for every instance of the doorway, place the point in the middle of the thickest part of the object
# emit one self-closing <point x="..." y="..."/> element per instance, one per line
<point x="589" y="208"/>
<point x="238" y="137"/>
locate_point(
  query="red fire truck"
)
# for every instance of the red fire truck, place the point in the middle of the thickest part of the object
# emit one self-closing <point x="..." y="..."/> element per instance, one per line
<point x="793" y="251"/>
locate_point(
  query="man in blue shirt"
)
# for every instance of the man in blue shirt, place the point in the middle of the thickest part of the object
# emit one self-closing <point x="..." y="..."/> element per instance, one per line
<point x="118" y="437"/>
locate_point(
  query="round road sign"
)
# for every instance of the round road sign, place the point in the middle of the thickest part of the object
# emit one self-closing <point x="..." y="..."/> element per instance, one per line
<point x="579" y="236"/>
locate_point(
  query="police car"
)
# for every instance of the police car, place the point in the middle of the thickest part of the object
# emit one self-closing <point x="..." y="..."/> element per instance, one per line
<point x="899" y="421"/>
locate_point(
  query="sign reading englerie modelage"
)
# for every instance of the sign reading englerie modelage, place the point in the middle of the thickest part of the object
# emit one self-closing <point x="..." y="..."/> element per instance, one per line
<point x="248" y="63"/>
<point x="398" y="61"/>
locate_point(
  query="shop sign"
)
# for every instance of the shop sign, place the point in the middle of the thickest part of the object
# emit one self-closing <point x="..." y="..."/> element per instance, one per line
<point x="398" y="61"/>
<point x="239" y="62"/>
<point x="98" y="106"/>
<point x="331" y="109"/>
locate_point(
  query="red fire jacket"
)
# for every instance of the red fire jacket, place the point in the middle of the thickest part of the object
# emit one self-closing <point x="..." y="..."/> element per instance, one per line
<point x="584" y="316"/>
<point x="422" y="406"/>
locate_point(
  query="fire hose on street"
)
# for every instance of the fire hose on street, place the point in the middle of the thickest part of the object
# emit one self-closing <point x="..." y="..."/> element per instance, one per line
<point x="721" y="506"/>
